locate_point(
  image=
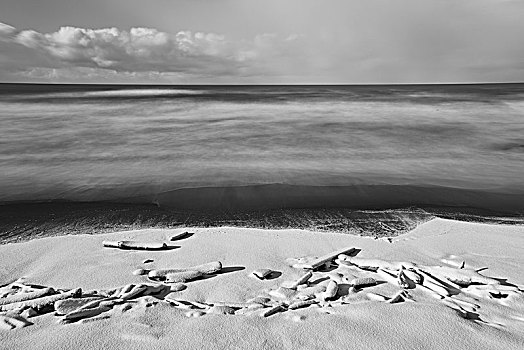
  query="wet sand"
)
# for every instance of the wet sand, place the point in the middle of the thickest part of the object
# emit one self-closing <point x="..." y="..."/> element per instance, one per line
<point x="25" y="221"/>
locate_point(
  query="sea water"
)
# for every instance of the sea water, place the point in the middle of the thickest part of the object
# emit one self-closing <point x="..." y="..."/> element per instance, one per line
<point x="264" y="146"/>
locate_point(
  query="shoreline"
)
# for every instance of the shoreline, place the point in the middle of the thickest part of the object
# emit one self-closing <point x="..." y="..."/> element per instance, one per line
<point x="26" y="221"/>
<point x="261" y="197"/>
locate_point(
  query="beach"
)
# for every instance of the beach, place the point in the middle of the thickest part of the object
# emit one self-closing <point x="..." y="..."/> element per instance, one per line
<point x="261" y="217"/>
<point x="485" y="315"/>
<point x="261" y="175"/>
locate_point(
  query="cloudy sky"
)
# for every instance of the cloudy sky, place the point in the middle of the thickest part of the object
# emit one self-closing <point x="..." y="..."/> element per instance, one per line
<point x="261" y="41"/>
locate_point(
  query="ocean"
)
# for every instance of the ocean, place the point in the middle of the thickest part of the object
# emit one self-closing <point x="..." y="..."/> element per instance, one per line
<point x="245" y="148"/>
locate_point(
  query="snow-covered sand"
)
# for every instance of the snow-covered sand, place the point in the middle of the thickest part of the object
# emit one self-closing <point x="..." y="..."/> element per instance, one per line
<point x="479" y="316"/>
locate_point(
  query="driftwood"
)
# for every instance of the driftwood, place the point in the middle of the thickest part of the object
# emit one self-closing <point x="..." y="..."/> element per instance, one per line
<point x="84" y="313"/>
<point x="135" y="245"/>
<point x="139" y="272"/>
<point x="175" y="287"/>
<point x="331" y="290"/>
<point x="19" y="297"/>
<point x="97" y="303"/>
<point x="388" y="276"/>
<point x="273" y="310"/>
<point x="153" y="289"/>
<point x="262" y="273"/>
<point x="303" y="279"/>
<point x="300" y="304"/>
<point x="221" y="310"/>
<point x="316" y="263"/>
<point x="183" y="276"/>
<point x="404" y="281"/>
<point x="208" y="268"/>
<point x="463" y="277"/>
<point x="311" y="292"/>
<point x="363" y="282"/>
<point x="435" y="287"/>
<point x="135" y="291"/>
<point x="414" y="276"/>
<point x="186" y="305"/>
<point x="200" y="304"/>
<point x="340" y="278"/>
<point x="397" y="298"/>
<point x="374" y="264"/>
<point x="444" y="283"/>
<point x="28" y="313"/>
<point x="180" y="236"/>
<point x="40" y="303"/>
<point x="233" y="304"/>
<point x="125" y="289"/>
<point x="65" y="306"/>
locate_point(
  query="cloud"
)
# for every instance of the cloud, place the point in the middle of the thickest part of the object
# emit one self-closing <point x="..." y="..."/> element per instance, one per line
<point x="6" y="31"/>
<point x="141" y="50"/>
<point x="380" y="41"/>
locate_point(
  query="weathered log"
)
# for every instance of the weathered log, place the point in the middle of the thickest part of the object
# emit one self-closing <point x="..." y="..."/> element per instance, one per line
<point x="303" y="279"/>
<point x="300" y="304"/>
<point x="316" y="263"/>
<point x="273" y="310"/>
<point x="84" y="313"/>
<point x="40" y="303"/>
<point x="363" y="282"/>
<point x="331" y="291"/>
<point x="135" y="245"/>
<point x="182" y="276"/>
<point x="208" y="268"/>
<point x="19" y="297"/>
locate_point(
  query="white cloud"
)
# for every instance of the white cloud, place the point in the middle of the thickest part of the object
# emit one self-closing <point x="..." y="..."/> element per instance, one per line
<point x="6" y="31"/>
<point x="380" y="41"/>
<point x="142" y="50"/>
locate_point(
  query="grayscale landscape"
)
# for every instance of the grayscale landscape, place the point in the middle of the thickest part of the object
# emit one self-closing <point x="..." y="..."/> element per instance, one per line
<point x="241" y="174"/>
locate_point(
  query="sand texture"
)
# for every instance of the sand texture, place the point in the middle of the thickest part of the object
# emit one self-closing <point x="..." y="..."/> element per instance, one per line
<point x="445" y="285"/>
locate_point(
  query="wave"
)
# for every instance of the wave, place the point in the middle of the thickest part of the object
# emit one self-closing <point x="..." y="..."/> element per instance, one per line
<point x="276" y="196"/>
<point x="374" y="210"/>
<point x="357" y="197"/>
<point x="24" y="221"/>
<point x="141" y="93"/>
<point x="71" y="96"/>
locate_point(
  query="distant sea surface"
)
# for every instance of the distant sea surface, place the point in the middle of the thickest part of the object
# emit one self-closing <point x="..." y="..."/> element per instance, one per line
<point x="265" y="147"/>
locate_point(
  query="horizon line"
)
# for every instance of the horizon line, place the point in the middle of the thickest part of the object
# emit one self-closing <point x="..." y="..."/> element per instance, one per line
<point x="279" y="84"/>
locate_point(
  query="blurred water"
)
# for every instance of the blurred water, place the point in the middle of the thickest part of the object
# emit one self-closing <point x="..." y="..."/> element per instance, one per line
<point x="86" y="142"/>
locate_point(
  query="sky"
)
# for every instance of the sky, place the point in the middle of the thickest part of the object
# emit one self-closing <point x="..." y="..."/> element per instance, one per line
<point x="261" y="41"/>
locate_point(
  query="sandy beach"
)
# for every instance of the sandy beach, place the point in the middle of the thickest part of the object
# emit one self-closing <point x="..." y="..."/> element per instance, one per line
<point x="261" y="175"/>
<point x="407" y="292"/>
